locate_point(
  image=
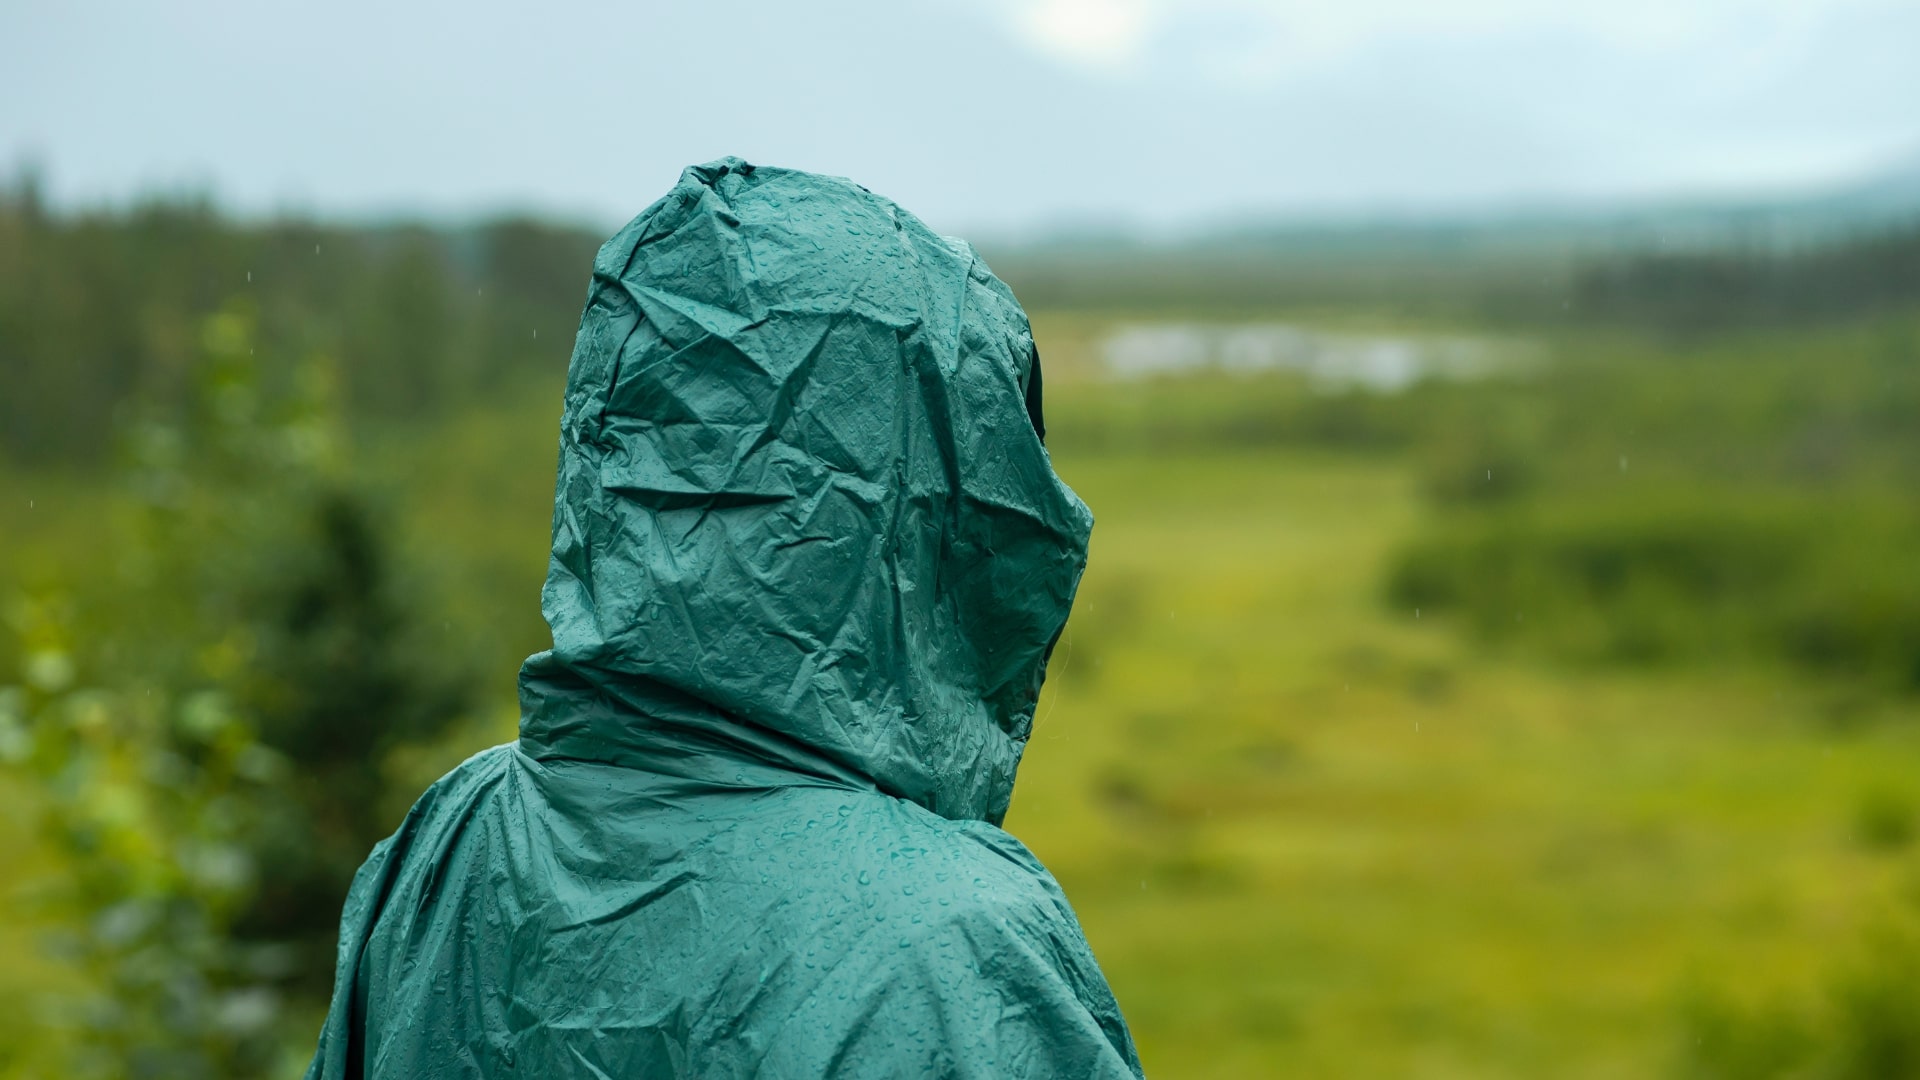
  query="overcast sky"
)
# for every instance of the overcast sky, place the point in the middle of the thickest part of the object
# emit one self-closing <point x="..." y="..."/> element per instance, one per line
<point x="991" y="115"/>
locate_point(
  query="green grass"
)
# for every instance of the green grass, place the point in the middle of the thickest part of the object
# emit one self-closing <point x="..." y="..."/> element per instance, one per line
<point x="1307" y="834"/>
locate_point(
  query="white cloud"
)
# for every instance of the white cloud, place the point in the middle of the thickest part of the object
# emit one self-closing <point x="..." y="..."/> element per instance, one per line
<point x="1255" y="40"/>
<point x="1097" y="33"/>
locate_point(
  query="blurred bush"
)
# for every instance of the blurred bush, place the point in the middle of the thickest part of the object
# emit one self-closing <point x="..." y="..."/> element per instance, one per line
<point x="1745" y="497"/>
<point x="205" y="711"/>
<point x="1861" y="1023"/>
<point x="1765" y="285"/>
<point x="1672" y="579"/>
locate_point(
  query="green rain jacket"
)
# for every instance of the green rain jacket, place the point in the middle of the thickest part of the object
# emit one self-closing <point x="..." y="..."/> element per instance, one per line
<point x="809" y="559"/>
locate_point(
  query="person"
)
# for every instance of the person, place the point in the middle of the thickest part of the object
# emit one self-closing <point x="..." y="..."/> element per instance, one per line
<point x="809" y="559"/>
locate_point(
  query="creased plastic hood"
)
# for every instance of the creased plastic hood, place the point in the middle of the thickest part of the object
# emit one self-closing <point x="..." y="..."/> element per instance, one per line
<point x="803" y="498"/>
<point x="809" y="557"/>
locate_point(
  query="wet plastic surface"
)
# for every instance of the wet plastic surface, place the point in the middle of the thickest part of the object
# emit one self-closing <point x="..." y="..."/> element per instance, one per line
<point x="809" y="559"/>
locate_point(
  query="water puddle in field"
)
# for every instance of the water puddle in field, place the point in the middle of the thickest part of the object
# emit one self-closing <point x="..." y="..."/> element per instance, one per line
<point x="1332" y="360"/>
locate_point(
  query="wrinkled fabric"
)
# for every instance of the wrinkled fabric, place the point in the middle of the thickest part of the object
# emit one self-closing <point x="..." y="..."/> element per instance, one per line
<point x="809" y="559"/>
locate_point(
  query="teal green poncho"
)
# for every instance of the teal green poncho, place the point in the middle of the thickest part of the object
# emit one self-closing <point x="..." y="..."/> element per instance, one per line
<point x="809" y="559"/>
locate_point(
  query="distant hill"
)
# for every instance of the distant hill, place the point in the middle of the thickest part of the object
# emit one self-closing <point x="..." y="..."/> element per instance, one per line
<point x="1886" y="198"/>
<point x="1498" y="259"/>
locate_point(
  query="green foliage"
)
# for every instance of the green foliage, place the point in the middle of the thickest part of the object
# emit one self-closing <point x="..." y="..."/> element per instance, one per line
<point x="1862" y="1024"/>
<point x="1698" y="292"/>
<point x="1748" y="500"/>
<point x="1722" y="1039"/>
<point x="1884" y="820"/>
<point x="147" y="796"/>
<point x="1877" y="1008"/>
<point x="1675" y="578"/>
<point x="102" y="312"/>
<point x="207" y="719"/>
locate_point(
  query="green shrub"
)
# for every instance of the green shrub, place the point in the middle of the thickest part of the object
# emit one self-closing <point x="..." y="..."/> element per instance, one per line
<point x="204" y="721"/>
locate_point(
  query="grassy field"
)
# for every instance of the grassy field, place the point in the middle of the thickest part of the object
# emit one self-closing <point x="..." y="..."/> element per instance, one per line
<point x="1307" y="833"/>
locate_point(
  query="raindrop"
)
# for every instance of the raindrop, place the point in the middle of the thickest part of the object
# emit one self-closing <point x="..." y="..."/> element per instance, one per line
<point x="249" y="276"/>
<point x="1416" y="613"/>
<point x="316" y="249"/>
<point x="536" y="335"/>
<point x="1623" y="463"/>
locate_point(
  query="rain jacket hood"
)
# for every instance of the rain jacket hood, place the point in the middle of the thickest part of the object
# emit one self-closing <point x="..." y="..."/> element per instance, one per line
<point x="803" y="507"/>
<point x="809" y="558"/>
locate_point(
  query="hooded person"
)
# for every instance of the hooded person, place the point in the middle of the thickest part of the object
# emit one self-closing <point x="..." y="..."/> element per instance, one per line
<point x="809" y="560"/>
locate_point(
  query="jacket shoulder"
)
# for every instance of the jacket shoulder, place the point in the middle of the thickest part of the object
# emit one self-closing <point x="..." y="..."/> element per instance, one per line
<point x="339" y="1053"/>
<point x="967" y="963"/>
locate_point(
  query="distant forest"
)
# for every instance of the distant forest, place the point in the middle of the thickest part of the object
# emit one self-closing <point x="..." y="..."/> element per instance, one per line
<point x="1861" y="276"/>
<point x="100" y="311"/>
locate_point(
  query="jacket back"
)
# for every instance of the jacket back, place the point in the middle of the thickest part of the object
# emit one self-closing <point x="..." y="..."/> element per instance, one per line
<point x="810" y="557"/>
